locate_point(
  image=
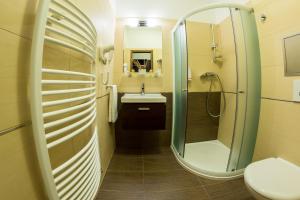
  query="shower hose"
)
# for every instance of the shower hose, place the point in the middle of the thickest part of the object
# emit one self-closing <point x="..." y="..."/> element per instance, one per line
<point x="208" y="97"/>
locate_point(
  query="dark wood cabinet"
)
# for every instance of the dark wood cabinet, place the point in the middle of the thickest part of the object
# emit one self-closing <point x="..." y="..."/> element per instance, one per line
<point x="143" y="116"/>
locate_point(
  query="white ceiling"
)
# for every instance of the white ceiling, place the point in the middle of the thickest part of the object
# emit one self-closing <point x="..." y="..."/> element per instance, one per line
<point x="169" y="9"/>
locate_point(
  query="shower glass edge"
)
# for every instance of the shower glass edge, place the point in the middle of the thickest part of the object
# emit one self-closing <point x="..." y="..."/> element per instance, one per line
<point x="244" y="142"/>
<point x="180" y="91"/>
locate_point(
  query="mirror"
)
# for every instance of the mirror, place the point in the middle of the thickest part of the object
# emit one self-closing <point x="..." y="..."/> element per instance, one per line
<point x="141" y="60"/>
<point x="291" y="45"/>
<point x="142" y="51"/>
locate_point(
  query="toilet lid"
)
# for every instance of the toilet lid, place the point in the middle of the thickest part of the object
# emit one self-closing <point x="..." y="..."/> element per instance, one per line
<point x="274" y="178"/>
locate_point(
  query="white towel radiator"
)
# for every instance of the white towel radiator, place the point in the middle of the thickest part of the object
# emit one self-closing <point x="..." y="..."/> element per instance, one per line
<point x="61" y="119"/>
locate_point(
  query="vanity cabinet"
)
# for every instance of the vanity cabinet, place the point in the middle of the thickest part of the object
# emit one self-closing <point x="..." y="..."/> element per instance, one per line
<point x="143" y="116"/>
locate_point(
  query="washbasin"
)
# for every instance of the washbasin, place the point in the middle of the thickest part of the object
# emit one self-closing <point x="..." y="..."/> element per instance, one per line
<point x="143" y="98"/>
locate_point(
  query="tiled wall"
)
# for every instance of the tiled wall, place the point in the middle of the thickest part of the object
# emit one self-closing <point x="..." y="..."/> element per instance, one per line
<point x="200" y="126"/>
<point x="133" y="84"/>
<point x="56" y="57"/>
<point x="19" y="171"/>
<point x="279" y="125"/>
<point x="20" y="178"/>
<point x="199" y="41"/>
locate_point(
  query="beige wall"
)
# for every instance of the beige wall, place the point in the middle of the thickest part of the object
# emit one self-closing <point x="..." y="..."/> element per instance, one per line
<point x="20" y="178"/>
<point x="199" y="41"/>
<point x="133" y="84"/>
<point x="102" y="15"/>
<point x="14" y="49"/>
<point x="19" y="170"/>
<point x="279" y="125"/>
<point x="106" y="130"/>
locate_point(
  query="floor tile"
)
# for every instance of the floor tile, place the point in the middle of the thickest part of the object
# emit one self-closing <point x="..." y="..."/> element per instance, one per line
<point x="229" y="190"/>
<point x="160" y="162"/>
<point x="154" y="174"/>
<point x="125" y="163"/>
<point x="197" y="193"/>
<point x="169" y="180"/>
<point x="162" y="151"/>
<point x="128" y="152"/>
<point x="123" y="181"/>
<point x="119" y="195"/>
<point x="206" y="181"/>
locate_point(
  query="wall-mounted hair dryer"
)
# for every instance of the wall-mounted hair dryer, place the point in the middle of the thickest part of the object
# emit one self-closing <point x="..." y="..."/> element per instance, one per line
<point x="104" y="59"/>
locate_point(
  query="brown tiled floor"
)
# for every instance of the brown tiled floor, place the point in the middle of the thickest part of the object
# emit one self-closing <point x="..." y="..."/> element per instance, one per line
<point x="155" y="175"/>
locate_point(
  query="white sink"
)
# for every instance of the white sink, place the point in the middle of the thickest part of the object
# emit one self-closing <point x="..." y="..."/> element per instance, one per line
<point x="146" y="98"/>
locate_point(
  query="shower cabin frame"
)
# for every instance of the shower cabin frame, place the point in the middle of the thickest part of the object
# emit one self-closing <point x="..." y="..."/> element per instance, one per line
<point x="243" y="143"/>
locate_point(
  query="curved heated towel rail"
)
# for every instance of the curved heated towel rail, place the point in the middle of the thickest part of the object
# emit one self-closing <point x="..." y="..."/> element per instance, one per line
<point x="63" y="101"/>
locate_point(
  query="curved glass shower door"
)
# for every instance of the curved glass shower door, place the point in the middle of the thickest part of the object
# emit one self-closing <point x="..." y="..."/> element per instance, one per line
<point x="180" y="92"/>
<point x="216" y="91"/>
<point x="249" y="90"/>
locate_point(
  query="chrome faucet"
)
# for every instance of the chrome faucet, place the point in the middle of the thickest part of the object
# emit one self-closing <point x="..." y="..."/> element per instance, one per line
<point x="143" y="89"/>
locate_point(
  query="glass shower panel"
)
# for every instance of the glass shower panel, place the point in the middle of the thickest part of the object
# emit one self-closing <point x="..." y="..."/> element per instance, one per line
<point x="212" y="90"/>
<point x="254" y="89"/>
<point x="180" y="93"/>
<point x="248" y="90"/>
<point x="241" y="89"/>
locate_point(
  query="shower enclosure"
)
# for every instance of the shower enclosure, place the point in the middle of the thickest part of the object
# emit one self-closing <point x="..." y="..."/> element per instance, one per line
<point x="216" y="90"/>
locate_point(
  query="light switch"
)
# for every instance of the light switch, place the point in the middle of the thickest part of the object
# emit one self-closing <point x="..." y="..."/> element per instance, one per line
<point x="296" y="91"/>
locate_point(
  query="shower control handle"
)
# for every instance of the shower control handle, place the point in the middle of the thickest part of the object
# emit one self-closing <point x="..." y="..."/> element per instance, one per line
<point x="184" y="90"/>
<point x="241" y="92"/>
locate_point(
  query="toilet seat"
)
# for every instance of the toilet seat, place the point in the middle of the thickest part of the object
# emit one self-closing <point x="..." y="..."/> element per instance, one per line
<point x="274" y="178"/>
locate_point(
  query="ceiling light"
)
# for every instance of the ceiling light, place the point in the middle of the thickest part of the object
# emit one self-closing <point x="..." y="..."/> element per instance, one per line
<point x="152" y="22"/>
<point x="143" y="23"/>
<point x="133" y="22"/>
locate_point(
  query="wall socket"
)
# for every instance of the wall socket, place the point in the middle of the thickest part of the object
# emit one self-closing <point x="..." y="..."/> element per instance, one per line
<point x="296" y="91"/>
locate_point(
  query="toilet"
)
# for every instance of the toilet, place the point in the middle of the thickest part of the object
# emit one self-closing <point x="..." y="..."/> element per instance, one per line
<point x="273" y="178"/>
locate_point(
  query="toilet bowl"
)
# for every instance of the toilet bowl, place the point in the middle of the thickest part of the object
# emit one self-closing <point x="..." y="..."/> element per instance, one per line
<point x="273" y="178"/>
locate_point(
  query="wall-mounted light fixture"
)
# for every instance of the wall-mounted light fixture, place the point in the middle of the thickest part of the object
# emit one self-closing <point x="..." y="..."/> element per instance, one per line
<point x="148" y="22"/>
<point x="132" y="22"/>
<point x="152" y="22"/>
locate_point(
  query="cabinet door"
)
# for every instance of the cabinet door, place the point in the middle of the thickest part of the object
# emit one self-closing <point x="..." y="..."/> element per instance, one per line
<point x="143" y="116"/>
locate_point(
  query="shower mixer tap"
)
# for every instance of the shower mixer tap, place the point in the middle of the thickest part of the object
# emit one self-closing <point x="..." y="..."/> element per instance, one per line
<point x="143" y="89"/>
<point x="208" y="75"/>
<point x="211" y="76"/>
